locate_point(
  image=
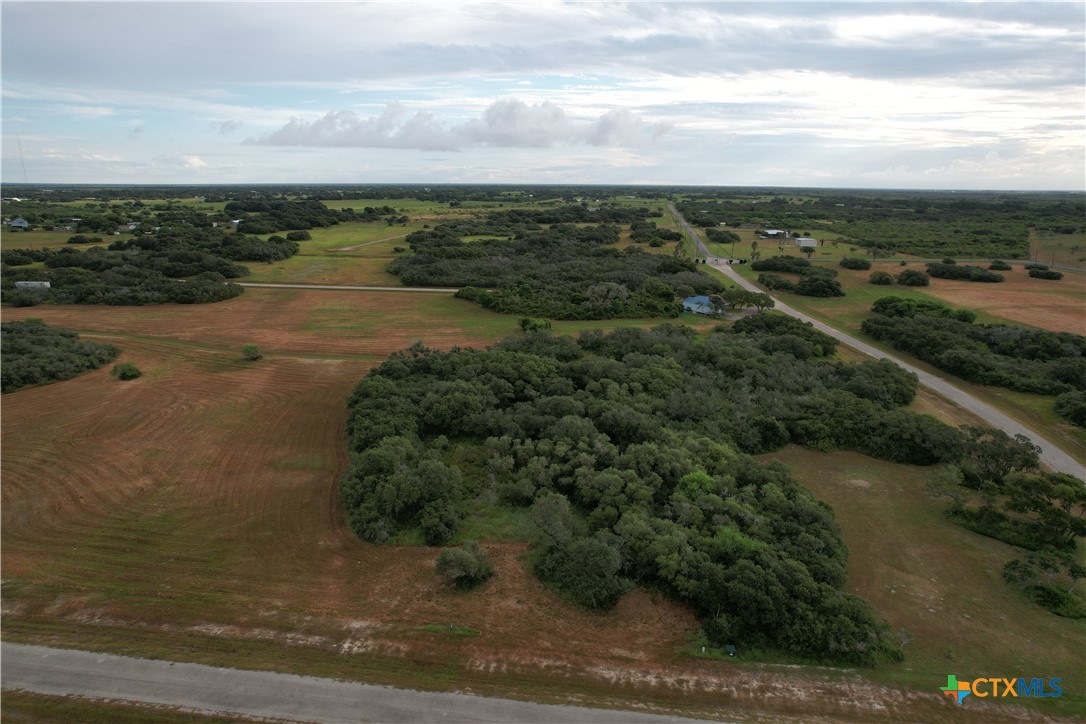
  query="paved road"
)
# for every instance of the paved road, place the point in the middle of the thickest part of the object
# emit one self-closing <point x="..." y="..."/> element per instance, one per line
<point x="1051" y="455"/>
<point x="270" y="695"/>
<point x="349" y="287"/>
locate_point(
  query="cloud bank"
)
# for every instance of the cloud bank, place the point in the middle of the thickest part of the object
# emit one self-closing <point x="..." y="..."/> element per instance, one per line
<point x="506" y="123"/>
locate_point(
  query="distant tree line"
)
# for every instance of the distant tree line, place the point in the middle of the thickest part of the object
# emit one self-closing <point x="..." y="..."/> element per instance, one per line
<point x="35" y="354"/>
<point x="267" y="216"/>
<point x="632" y="451"/>
<point x="929" y="224"/>
<point x="559" y="272"/>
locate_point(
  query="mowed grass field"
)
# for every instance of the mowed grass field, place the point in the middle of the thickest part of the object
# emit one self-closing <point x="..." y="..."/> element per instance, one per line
<point x="353" y="253"/>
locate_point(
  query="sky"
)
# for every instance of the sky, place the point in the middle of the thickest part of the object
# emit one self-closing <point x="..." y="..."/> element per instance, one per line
<point x="966" y="95"/>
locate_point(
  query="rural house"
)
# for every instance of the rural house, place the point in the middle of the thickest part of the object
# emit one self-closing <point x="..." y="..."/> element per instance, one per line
<point x="20" y="224"/>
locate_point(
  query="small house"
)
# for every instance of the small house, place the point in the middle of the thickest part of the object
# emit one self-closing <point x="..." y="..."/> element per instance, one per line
<point x="775" y="234"/>
<point x="20" y="224"/>
<point x="806" y="242"/>
<point x="32" y="285"/>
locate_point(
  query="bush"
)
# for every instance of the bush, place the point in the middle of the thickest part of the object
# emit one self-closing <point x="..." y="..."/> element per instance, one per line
<point x="465" y="566"/>
<point x="775" y="283"/>
<point x="1036" y="575"/>
<point x="1071" y="406"/>
<point x="913" y="278"/>
<point x="964" y="272"/>
<point x="999" y="265"/>
<point x="299" y="236"/>
<point x="856" y="263"/>
<point x="529" y="325"/>
<point x="81" y="239"/>
<point x="818" y="285"/>
<point x="791" y="264"/>
<point x="1045" y="274"/>
<point x="125" y="371"/>
<point x="586" y="571"/>
<point x="251" y="352"/>
<point x="880" y="277"/>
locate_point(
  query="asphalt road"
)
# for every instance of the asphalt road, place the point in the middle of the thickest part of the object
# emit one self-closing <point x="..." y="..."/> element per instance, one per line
<point x="1051" y="455"/>
<point x="270" y="695"/>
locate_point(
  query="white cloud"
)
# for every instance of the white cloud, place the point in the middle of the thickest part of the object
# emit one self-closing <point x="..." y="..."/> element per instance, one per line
<point x="506" y="123"/>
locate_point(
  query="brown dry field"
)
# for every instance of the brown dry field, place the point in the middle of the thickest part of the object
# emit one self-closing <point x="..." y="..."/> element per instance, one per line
<point x="297" y="321"/>
<point x="199" y="504"/>
<point x="1058" y="305"/>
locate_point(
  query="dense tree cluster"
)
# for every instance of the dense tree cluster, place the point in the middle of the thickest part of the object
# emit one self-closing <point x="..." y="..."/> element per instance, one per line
<point x="814" y="281"/>
<point x="264" y="216"/>
<point x="787" y="264"/>
<point x="645" y="232"/>
<point x="561" y="272"/>
<point x="632" y="450"/>
<point x="35" y="354"/>
<point x="143" y="270"/>
<point x="967" y="272"/>
<point x="1027" y="360"/>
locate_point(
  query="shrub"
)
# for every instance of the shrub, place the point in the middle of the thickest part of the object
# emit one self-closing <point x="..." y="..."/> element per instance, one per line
<point x="81" y="239"/>
<point x="299" y="236"/>
<point x="251" y="352"/>
<point x="913" y="278"/>
<point x="819" y="285"/>
<point x="999" y="265"/>
<point x="585" y="570"/>
<point x="1045" y="274"/>
<point x="1071" y="406"/>
<point x="850" y="262"/>
<point x="125" y="371"/>
<point x="781" y="264"/>
<point x="775" y="283"/>
<point x="965" y="271"/>
<point x="528" y="324"/>
<point x="465" y="566"/>
<point x="881" y="278"/>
